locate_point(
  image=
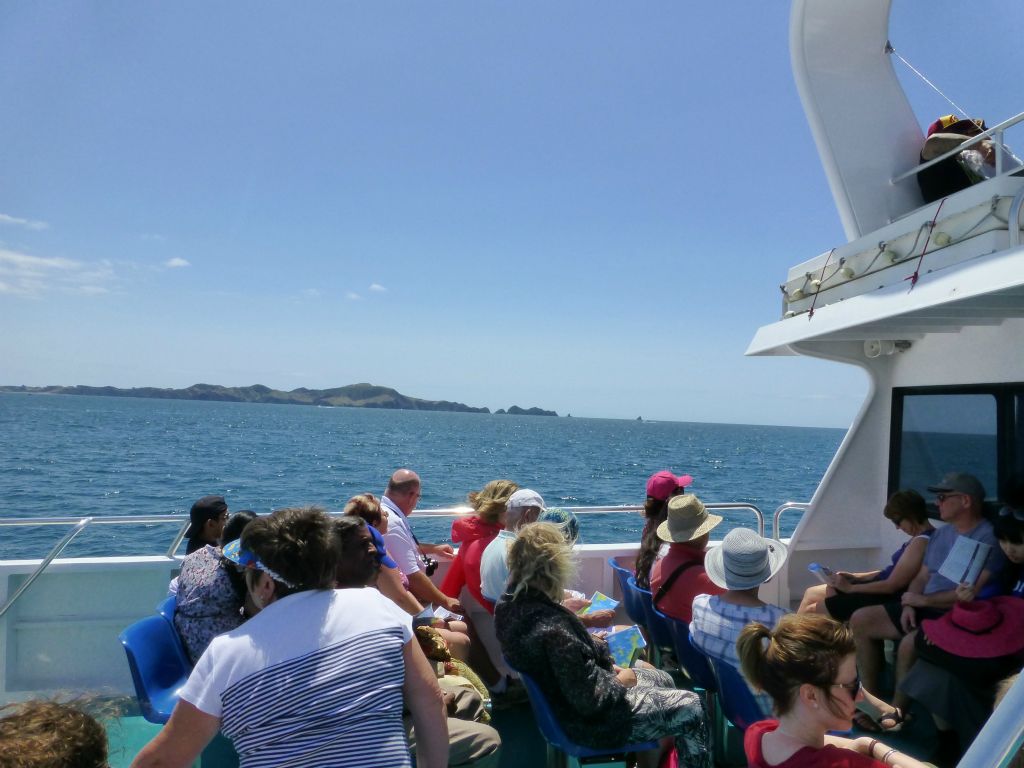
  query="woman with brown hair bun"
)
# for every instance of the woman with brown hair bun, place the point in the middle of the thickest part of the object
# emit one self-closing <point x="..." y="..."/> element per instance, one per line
<point x="808" y="666"/>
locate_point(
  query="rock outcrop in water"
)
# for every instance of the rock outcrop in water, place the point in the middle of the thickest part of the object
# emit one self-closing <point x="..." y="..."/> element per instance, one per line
<point x="352" y="396"/>
<point x="515" y="410"/>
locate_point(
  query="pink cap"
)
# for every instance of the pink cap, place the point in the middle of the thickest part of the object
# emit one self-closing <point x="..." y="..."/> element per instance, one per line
<point x="662" y="484"/>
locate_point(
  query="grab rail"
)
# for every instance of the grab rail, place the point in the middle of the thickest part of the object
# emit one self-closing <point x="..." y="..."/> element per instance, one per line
<point x="789" y="505"/>
<point x="80" y="524"/>
<point x="1001" y="738"/>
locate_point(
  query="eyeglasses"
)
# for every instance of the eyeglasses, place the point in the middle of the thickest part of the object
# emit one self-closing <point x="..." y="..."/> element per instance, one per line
<point x="851" y="688"/>
<point x="1018" y="514"/>
<point x="941" y="497"/>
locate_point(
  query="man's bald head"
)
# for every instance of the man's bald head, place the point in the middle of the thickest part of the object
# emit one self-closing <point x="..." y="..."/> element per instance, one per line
<point x="404" y="490"/>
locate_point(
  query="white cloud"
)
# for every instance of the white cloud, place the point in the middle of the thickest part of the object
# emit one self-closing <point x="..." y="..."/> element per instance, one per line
<point x="151" y="237"/>
<point x="353" y="296"/>
<point x="377" y="287"/>
<point x="177" y="261"/>
<point x="311" y="293"/>
<point x="27" y="223"/>
<point x="25" y="275"/>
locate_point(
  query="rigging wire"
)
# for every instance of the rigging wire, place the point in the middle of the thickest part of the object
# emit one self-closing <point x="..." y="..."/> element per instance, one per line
<point x="889" y="49"/>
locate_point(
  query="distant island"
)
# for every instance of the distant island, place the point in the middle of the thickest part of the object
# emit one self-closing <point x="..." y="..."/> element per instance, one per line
<point x="351" y="396"/>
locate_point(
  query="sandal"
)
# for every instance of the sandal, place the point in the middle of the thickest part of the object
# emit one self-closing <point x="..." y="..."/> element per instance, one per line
<point x="862" y="721"/>
<point x="896" y="719"/>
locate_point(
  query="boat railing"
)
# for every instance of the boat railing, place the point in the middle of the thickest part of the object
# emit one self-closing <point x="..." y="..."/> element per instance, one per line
<point x="789" y="506"/>
<point x="995" y="133"/>
<point x="78" y="525"/>
<point x="1000" y="740"/>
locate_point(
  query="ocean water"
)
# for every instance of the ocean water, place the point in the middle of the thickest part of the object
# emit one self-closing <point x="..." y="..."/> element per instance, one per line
<point x="65" y="455"/>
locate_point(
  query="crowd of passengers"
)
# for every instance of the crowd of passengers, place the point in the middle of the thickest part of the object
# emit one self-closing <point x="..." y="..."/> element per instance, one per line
<point x="311" y="645"/>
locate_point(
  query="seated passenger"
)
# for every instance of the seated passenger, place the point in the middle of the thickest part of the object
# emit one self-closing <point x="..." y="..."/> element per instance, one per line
<point x="975" y="163"/>
<point x="470" y="740"/>
<point x="679" y="576"/>
<point x="846" y="592"/>
<point x="211" y="592"/>
<point x="808" y="668"/>
<point x="523" y="507"/>
<point x="206" y="523"/>
<point x="961" y="499"/>
<point x="473" y="534"/>
<point x="294" y="684"/>
<point x="742" y="563"/>
<point x="661" y="486"/>
<point x="597" y="703"/>
<point x="956" y="684"/>
<point x="364" y="559"/>
<point x="48" y="734"/>
<point x="391" y="581"/>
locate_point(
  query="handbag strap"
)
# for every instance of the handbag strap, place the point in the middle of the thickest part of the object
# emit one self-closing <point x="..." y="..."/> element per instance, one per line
<point x="667" y="584"/>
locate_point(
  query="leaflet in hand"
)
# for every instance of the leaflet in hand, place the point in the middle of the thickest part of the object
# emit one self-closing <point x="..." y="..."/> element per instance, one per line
<point x="443" y="613"/>
<point x="965" y="560"/>
<point x="599" y="602"/>
<point x="625" y="644"/>
<point x="823" y="573"/>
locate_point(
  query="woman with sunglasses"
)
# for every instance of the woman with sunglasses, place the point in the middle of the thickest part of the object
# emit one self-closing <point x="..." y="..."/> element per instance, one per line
<point x="808" y="667"/>
<point x="295" y="684"/>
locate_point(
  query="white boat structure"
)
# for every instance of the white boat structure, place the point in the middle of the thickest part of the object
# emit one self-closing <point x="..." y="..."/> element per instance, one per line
<point x="926" y="299"/>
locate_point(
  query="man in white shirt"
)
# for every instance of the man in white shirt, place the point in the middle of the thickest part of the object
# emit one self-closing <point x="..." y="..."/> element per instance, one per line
<point x="400" y="499"/>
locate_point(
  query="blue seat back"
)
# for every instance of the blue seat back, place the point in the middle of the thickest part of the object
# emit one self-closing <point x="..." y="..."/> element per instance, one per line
<point x="657" y="630"/>
<point x="734" y="695"/>
<point x="552" y="731"/>
<point x="167" y="606"/>
<point x="158" y="665"/>
<point x="633" y="603"/>
<point x="693" y="661"/>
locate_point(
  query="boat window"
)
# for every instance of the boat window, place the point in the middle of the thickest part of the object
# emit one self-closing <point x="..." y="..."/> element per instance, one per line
<point x="943" y="433"/>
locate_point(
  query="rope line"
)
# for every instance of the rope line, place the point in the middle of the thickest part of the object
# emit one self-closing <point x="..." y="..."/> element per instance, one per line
<point x="913" y="278"/>
<point x="912" y="68"/>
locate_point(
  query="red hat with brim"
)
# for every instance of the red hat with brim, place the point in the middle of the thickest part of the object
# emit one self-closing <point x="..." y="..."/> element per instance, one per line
<point x="983" y="629"/>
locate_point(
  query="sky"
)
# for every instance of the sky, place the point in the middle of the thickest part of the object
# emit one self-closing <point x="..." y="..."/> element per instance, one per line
<point x="582" y="206"/>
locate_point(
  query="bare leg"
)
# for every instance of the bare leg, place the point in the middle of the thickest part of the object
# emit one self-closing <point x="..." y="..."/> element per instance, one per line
<point x="651" y="758"/>
<point x="813" y="596"/>
<point x="906" y="655"/>
<point x="870" y="626"/>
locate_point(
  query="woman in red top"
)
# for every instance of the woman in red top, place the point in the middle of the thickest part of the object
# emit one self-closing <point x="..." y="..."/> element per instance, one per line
<point x="808" y="666"/>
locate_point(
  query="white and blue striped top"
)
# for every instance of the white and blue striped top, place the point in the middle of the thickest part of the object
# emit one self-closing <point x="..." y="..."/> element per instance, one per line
<point x="315" y="679"/>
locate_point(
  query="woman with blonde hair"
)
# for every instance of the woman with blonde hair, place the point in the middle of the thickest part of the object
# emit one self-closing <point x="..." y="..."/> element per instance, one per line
<point x="598" y="703"/>
<point x="808" y="666"/>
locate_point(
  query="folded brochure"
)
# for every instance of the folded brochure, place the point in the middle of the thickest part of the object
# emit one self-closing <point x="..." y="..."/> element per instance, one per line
<point x="599" y="602"/>
<point x="625" y="644"/>
<point x="965" y="560"/>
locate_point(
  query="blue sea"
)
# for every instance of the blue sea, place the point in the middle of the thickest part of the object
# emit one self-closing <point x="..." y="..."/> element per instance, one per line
<point x="68" y="455"/>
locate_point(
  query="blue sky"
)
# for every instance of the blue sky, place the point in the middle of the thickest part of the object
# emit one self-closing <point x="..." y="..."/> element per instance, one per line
<point x="586" y="207"/>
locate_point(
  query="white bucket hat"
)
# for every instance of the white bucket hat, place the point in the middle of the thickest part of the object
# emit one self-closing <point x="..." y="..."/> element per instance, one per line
<point x="744" y="560"/>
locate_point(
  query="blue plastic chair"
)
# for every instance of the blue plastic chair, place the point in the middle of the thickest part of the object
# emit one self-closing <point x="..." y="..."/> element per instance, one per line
<point x="658" y="634"/>
<point x="692" y="660"/>
<point x="633" y="604"/>
<point x="167" y="607"/>
<point x="737" y="701"/>
<point x="158" y="664"/>
<point x="558" y="740"/>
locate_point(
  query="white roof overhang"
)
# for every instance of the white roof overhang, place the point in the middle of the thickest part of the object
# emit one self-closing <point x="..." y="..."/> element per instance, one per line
<point x="981" y="291"/>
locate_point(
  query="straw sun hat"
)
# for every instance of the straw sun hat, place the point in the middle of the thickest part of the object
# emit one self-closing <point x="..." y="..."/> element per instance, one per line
<point x="744" y="560"/>
<point x="687" y="520"/>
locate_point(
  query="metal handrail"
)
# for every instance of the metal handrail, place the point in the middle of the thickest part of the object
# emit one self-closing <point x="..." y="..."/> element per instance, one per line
<point x="1013" y="219"/>
<point x="776" y="529"/>
<point x="995" y="133"/>
<point x="79" y="524"/>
